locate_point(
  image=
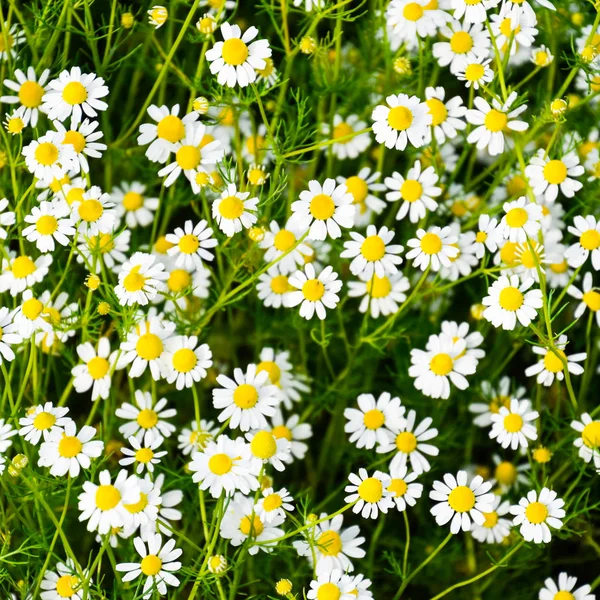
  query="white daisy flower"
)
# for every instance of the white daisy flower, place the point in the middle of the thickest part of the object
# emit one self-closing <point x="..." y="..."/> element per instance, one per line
<point x="589" y="441"/>
<point x="42" y="421"/>
<point x="434" y="247"/>
<point x="472" y="340"/>
<point x="370" y="493"/>
<point x="491" y="121"/>
<point x="247" y="399"/>
<point x="542" y="56"/>
<point x="472" y="11"/>
<point x="13" y="38"/>
<point x="30" y="317"/>
<point x="273" y="504"/>
<point x="9" y="334"/>
<point x="587" y="229"/>
<point x="409" y="444"/>
<point x="141" y="279"/>
<point x="70" y="450"/>
<point x="292" y="430"/>
<point x="64" y="583"/>
<point x="488" y="235"/>
<point x="447" y="117"/>
<point x="73" y="94"/>
<point x="405" y="491"/>
<point x="460" y="502"/>
<point x="29" y="92"/>
<point x="465" y="43"/>
<point x="408" y="20"/>
<point x="508" y="476"/>
<point x="132" y="203"/>
<point x="495" y="398"/>
<point x="266" y="448"/>
<point x="494" y="529"/>
<point x="476" y="72"/>
<point x="83" y="137"/>
<point x="95" y="213"/>
<point x="233" y="211"/>
<point x="323" y="210"/>
<point x="224" y="465"/>
<point x="551" y="366"/>
<point x="547" y="176"/>
<point x="195" y="437"/>
<point x="334" y="584"/>
<point x="372" y="253"/>
<point x="235" y="60"/>
<point x="372" y="421"/>
<point x="97" y="370"/>
<point x="512" y="33"/>
<point x="143" y="453"/>
<point x="146" y="419"/>
<point x="190" y="245"/>
<point x="48" y="158"/>
<point x="279" y="240"/>
<point x="404" y="119"/>
<point x="21" y="272"/>
<point x="158" y="564"/>
<point x="380" y="295"/>
<point x="512" y="426"/>
<point x="50" y="221"/>
<point x="184" y="361"/>
<point x="360" y="187"/>
<point x="7" y="218"/>
<point x="509" y="300"/>
<point x="565" y="589"/>
<point x="342" y="128"/>
<point x="315" y="293"/>
<point x="537" y="513"/>
<point x="463" y="263"/>
<point x="274" y="288"/>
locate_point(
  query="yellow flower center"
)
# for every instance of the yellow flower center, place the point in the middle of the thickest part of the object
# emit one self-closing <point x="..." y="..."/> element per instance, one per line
<point x="149" y="346"/>
<point x="313" y="290"/>
<point x="431" y="243"/>
<point x="69" y="446"/>
<point x="542" y="455"/>
<point x="411" y="190"/>
<point x="66" y="586"/>
<point x="552" y="362"/>
<point x="371" y="490"/>
<point x="151" y="565"/>
<point x="590" y="239"/>
<point x="22" y="267"/>
<point x="398" y="487"/>
<point x="90" y="210"/>
<point x="461" y="42"/>
<point x="563" y="595"/>
<point x="413" y="11"/>
<point x="342" y="130"/>
<point x="134" y="281"/>
<point x="263" y="445"/>
<point x="358" y="188"/>
<point x="132" y="201"/>
<point x="379" y="287"/>
<point x="46" y="225"/>
<point x="591" y="434"/>
<point x="322" y="207"/>
<point x="188" y="157"/>
<point x="481" y="237"/>
<point x="170" y="128"/>
<point x="438" y="111"/>
<point x="474" y="72"/>
<point x="491" y="519"/>
<point x="406" y="442"/>
<point x="441" y="364"/>
<point x="272" y="502"/>
<point x="495" y="120"/>
<point x="555" y="172"/>
<point x="231" y="207"/>
<point x="511" y="298"/>
<point x="536" y="513"/>
<point x="219" y="464"/>
<point x="329" y="543"/>
<point x="46" y="153"/>
<point x="76" y="139"/>
<point x="139" y="506"/>
<point x="245" y="396"/>
<point x="400" y="118"/>
<point x="234" y="51"/>
<point x="147" y="418"/>
<point x="284" y="240"/>
<point x="272" y="369"/>
<point x="461" y="499"/>
<point x="75" y="194"/>
<point x="279" y="284"/>
<point x="251" y="522"/>
<point x="506" y="473"/>
<point x="74" y="93"/>
<point x="184" y="360"/>
<point x="592" y="300"/>
<point x="107" y="497"/>
<point x="374" y="419"/>
<point x="32" y="308"/>
<point x="541" y="58"/>
<point x="513" y="423"/>
<point x="98" y="367"/>
<point x="144" y="455"/>
<point x="373" y="248"/>
<point x="43" y="421"/>
<point x="15" y="125"/>
<point x="30" y="94"/>
<point x="188" y="244"/>
<point x="179" y="279"/>
<point x="281" y="431"/>
<point x="329" y="591"/>
<point x="507" y="30"/>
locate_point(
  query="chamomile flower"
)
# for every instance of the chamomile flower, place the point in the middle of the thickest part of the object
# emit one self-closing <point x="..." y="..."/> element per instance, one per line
<point x="541" y="57"/>
<point x="247" y="399"/>
<point x="9" y="334"/>
<point x="509" y="476"/>
<point x="372" y="253"/>
<point x="279" y="241"/>
<point x="446" y="360"/>
<point x="551" y="366"/>
<point x="360" y="187"/>
<point x="103" y="505"/>
<point x="460" y="331"/>
<point x="314" y="293"/>
<point x="50" y="222"/>
<point x="405" y="491"/>
<point x="495" y="397"/>
<point x="463" y="263"/>
<point x="409" y="443"/>
<point x="495" y="528"/>
<point x="157" y="565"/>
<point x="235" y="60"/>
<point x="404" y="119"/>
<point x="64" y="583"/>
<point x="21" y="272"/>
<point x="29" y="91"/>
<point x="224" y="465"/>
<point x="42" y="421"/>
<point x="565" y="589"/>
<point x="292" y="430"/>
<point x="7" y="218"/>
<point x="266" y="448"/>
<point x="141" y="278"/>
<point x="589" y="441"/>
<point x="334" y="584"/>
<point x="84" y="139"/>
<point x="10" y="40"/>
<point x="446" y="116"/>
<point x="587" y="229"/>
<point x="343" y="128"/>
<point x="492" y="121"/>
<point x="96" y="372"/>
<point x="146" y="420"/>
<point x="191" y="244"/>
<point x="510" y="33"/>
<point x="380" y="295"/>
<point x="48" y="158"/>
<point x="472" y="11"/>
<point x="184" y="361"/>
<point x="512" y="426"/>
<point x="133" y="204"/>
<point x="273" y="505"/>
<point x="95" y="213"/>
<point x="234" y="211"/>
<point x="476" y="72"/>
<point x="274" y="288"/>
<point x="434" y="248"/>
<point x="195" y="437"/>
<point x="547" y="176"/>
<point x="370" y="494"/>
<point x="370" y="423"/>
<point x="487" y="236"/>
<point x="323" y="210"/>
<point x="465" y="43"/>
<point x="417" y="191"/>
<point x="158" y="16"/>
<point x="69" y="451"/>
<point x="509" y="300"/>
<point x="143" y="453"/>
<point x="73" y="94"/>
<point x="535" y="514"/>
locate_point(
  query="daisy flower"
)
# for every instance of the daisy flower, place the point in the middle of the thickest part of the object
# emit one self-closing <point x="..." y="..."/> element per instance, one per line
<point x="233" y="211"/>
<point x="433" y="248"/>
<point x="509" y="476"/>
<point x="292" y="430"/>
<point x="64" y="583"/>
<point x="224" y="465"/>
<point x="48" y="158"/>
<point x="495" y="398"/>
<point x="195" y="437"/>
<point x="369" y="494"/>
<point x="322" y="210"/>
<point x="241" y="523"/>
<point x="494" y="529"/>
<point x="446" y="116"/>
<point x="360" y="187"/>
<point x="158" y="564"/>
<point x="512" y="426"/>
<point x="371" y="422"/>
<point x="281" y="240"/>
<point x="408" y="20"/>
<point x="69" y="451"/>
<point x="547" y="176"/>
<point x="132" y="203"/>
<point x="21" y="272"/>
<point x="143" y="453"/>
<point x="551" y="365"/>
<point x="50" y="221"/>
<point x="463" y="263"/>
<point x="273" y="504"/>
<point x="97" y="370"/>
<point x="488" y="235"/>
<point x="491" y="121"/>
<point x="445" y="360"/>
<point x="460" y="331"/>
<point x="9" y="334"/>
<point x="477" y="72"/>
<point x="405" y="491"/>
<point x="589" y="441"/>
<point x="333" y="546"/>
<point x="266" y="448"/>
<point x="409" y="444"/>
<point x="334" y="584"/>
<point x="380" y="295"/>
<point x="465" y="43"/>
<point x="342" y="128"/>
<point x="472" y="11"/>
<point x="191" y="244"/>
<point x="404" y="119"/>
<point x="510" y="33"/>
<point x="102" y="506"/>
<point x="29" y="91"/>
<point x="373" y="253"/>
<point x="315" y="293"/>
<point x="7" y="218"/>
<point x="158" y="16"/>
<point x="565" y="589"/>
<point x="73" y="94"/>
<point x="535" y="514"/>
<point x="140" y="280"/>
<point x="247" y="399"/>
<point x="9" y="43"/>
<point x="274" y="288"/>
<point x="269" y="74"/>
<point x="459" y="502"/>
<point x="236" y="60"/>
<point x="587" y="229"/>
<point x="184" y="361"/>
<point x="146" y="419"/>
<point x="509" y="300"/>
<point x="95" y="213"/>
<point x="83" y="137"/>
<point x="42" y="421"/>
<point x="541" y="57"/>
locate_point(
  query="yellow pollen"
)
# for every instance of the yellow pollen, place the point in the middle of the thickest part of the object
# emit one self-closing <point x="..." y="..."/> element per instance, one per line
<point x="342" y="130"/>
<point x="46" y="153"/>
<point x="171" y="128"/>
<point x="234" y="51"/>
<point x="231" y="207"/>
<point x="461" y="499"/>
<point x="411" y="190"/>
<point x="15" y="125"/>
<point x="536" y="513"/>
<point x="272" y="502"/>
<point x="281" y="431"/>
<point x="474" y="72"/>
<point x="358" y="188"/>
<point x="66" y="586"/>
<point x="313" y="290"/>
<point x="373" y="419"/>
<point x="431" y="243"/>
<point x="591" y="434"/>
<point x="132" y="201"/>
<point x="134" y="281"/>
<point x="441" y="364"/>
<point x="30" y="94"/>
<point x="555" y="172"/>
<point x="284" y="240"/>
<point x="255" y="524"/>
<point x="329" y="591"/>
<point x="245" y="396"/>
<point x="373" y="248"/>
<point x="461" y="42"/>
<point x="179" y="279"/>
<point x="76" y="139"/>
<point x="322" y="207"/>
<point x="511" y="298"/>
<point x="74" y="93"/>
<point x="400" y="118"/>
<point x="151" y="565"/>
<point x="379" y="287"/>
<point x="263" y="445"/>
<point x="32" y="309"/>
<point x="563" y="595"/>
<point x="107" y="497"/>
<point x="69" y="446"/>
<point x="513" y="423"/>
<point x="491" y="519"/>
<point x="147" y="418"/>
<point x="272" y="369"/>
<point x="329" y="543"/>
<point x="188" y="244"/>
<point x="413" y="11"/>
<point x="552" y="362"/>
<point x="75" y="194"/>
<point x="279" y="284"/>
<point x="592" y="300"/>
<point x="22" y="267"/>
<point x="590" y="239"/>
<point x="398" y="487"/>
<point x="506" y="473"/>
<point x="139" y="506"/>
<point x="90" y="210"/>
<point x="406" y="442"/>
<point x="184" y="360"/>
<point x="507" y="30"/>
<point x="371" y="490"/>
<point x="481" y="237"/>
<point x="43" y="421"/>
<point x="188" y="157"/>
<point x="220" y="464"/>
<point x="46" y="225"/>
<point x="144" y="455"/>
<point x="438" y="111"/>
<point x="98" y="367"/>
